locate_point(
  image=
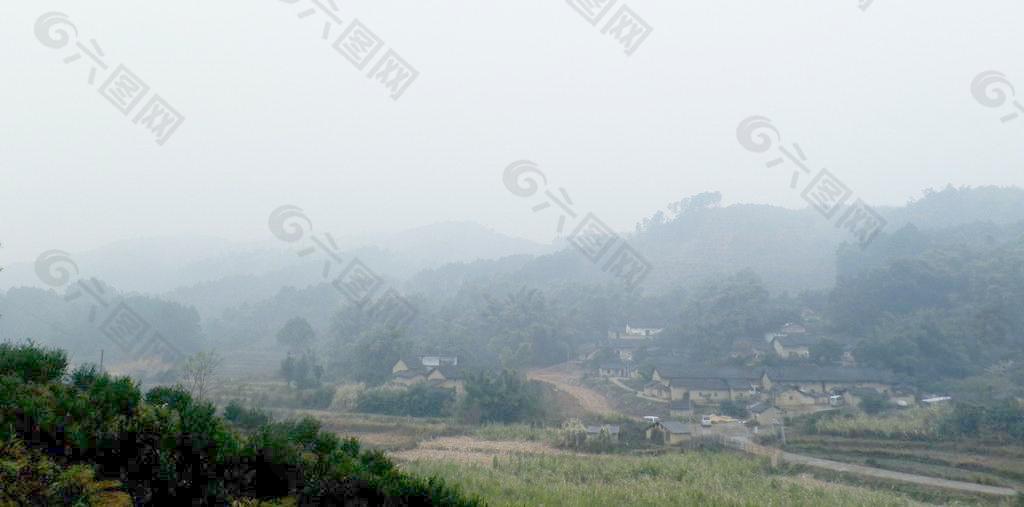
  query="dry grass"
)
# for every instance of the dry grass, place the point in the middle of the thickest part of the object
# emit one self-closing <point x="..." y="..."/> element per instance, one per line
<point x="472" y="450"/>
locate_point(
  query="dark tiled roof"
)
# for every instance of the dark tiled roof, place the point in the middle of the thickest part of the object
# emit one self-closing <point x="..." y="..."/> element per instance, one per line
<point x="676" y="427"/>
<point x="410" y="373"/>
<point x="449" y="372"/>
<point x="702" y="371"/>
<point x="701" y="383"/>
<point x="813" y="373"/>
<point x="737" y="376"/>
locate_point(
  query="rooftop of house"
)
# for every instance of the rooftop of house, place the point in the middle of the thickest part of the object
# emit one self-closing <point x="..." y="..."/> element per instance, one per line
<point x="410" y="373"/>
<point x="814" y="373"/>
<point x="612" y="365"/>
<point x="701" y="371"/>
<point x="738" y="376"/>
<point x="676" y="427"/>
<point x="708" y="384"/>
<point x="449" y="372"/>
<point x="793" y="328"/>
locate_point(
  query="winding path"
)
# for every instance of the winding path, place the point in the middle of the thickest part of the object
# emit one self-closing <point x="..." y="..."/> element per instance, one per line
<point x="565" y="377"/>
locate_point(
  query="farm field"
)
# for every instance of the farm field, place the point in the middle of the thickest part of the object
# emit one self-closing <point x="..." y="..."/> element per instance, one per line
<point x="695" y="478"/>
<point x="978" y="463"/>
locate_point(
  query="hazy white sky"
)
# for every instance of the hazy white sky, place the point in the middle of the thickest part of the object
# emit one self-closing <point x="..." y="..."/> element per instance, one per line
<point x="274" y="115"/>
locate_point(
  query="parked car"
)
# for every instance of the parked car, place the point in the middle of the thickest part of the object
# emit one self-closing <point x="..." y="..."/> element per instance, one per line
<point x="705" y="421"/>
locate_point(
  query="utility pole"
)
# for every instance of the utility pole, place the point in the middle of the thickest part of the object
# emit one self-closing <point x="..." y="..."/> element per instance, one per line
<point x="101" y="360"/>
<point x="782" y="428"/>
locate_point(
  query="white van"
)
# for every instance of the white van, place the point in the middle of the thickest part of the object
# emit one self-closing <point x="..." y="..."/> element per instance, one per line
<point x="705" y="421"/>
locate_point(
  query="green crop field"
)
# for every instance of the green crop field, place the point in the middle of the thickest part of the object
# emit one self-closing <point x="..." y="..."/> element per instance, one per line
<point x="699" y="478"/>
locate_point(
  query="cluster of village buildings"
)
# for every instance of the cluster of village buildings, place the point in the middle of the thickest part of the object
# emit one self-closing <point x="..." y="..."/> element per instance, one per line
<point x="767" y="392"/>
<point x="694" y="389"/>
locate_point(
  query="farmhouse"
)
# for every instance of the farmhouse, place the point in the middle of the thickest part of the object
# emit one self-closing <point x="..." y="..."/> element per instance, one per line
<point x="791" y="329"/>
<point x="635" y="333"/>
<point x="656" y="389"/>
<point x="617" y="369"/>
<point x="793" y="398"/>
<point x="793" y="346"/>
<point x="764" y="412"/>
<point x="625" y="348"/>
<point x="437" y="370"/>
<point x="669" y="432"/>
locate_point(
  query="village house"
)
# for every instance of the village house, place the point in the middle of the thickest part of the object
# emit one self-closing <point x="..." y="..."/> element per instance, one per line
<point x="792" y="329"/>
<point x="436" y="370"/>
<point x="635" y="333"/>
<point x="792" y="398"/>
<point x="669" y="432"/>
<point x="794" y="346"/>
<point x="624" y="348"/>
<point x="764" y="412"/>
<point x="617" y="369"/>
<point x="656" y="389"/>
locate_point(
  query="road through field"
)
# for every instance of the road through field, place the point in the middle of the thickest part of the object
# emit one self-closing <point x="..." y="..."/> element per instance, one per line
<point x="865" y="471"/>
<point x="566" y="378"/>
<point x="897" y="476"/>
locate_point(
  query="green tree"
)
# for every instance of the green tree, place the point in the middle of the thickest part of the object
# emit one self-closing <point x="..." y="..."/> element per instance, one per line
<point x="503" y="397"/>
<point x="296" y="334"/>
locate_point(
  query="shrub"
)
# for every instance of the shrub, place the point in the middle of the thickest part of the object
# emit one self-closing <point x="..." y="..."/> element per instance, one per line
<point x="74" y="443"/>
<point x="502" y="397"/>
<point x="316" y="398"/>
<point x="872" y="402"/>
<point x="32" y="363"/>
<point x="418" y="401"/>
<point x="248" y="418"/>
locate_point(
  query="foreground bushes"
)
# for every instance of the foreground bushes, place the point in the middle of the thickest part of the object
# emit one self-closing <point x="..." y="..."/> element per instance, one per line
<point x="71" y="441"/>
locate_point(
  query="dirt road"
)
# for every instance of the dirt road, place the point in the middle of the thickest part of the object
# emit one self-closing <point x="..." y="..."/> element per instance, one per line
<point x="922" y="480"/>
<point x="566" y="378"/>
<point x="849" y="468"/>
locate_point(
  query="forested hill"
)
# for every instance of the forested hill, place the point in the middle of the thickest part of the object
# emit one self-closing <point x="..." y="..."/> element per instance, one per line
<point x="791" y="250"/>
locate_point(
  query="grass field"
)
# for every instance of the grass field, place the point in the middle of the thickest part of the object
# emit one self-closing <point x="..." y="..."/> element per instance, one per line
<point x="698" y="478"/>
<point x="961" y="461"/>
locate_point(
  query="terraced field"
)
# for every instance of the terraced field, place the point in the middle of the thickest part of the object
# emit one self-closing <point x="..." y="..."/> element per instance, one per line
<point x="982" y="464"/>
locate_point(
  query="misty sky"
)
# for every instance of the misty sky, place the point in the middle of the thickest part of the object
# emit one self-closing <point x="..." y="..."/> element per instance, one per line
<point x="274" y="115"/>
